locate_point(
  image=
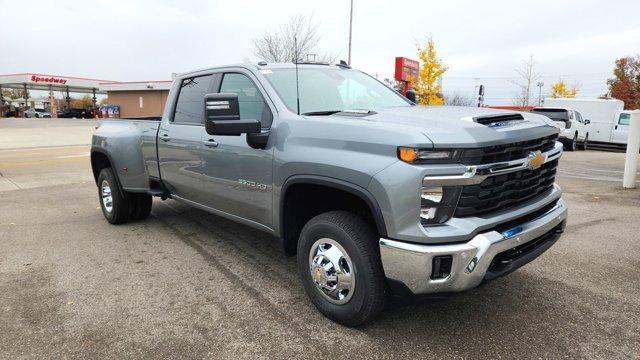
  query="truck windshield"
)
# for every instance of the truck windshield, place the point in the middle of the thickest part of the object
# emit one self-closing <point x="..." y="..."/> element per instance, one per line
<point x="327" y="90"/>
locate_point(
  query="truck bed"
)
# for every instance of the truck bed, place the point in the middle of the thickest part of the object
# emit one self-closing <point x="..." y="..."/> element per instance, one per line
<point x="140" y="160"/>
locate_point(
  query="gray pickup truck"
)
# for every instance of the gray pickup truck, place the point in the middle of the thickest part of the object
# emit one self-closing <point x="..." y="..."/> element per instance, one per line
<point x="375" y="195"/>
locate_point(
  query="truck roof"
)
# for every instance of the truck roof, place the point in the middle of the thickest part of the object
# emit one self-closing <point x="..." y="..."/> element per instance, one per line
<point x="263" y="65"/>
<point x="582" y="99"/>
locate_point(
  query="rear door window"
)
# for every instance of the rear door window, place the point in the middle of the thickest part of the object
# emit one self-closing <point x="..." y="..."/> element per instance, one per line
<point x="190" y="105"/>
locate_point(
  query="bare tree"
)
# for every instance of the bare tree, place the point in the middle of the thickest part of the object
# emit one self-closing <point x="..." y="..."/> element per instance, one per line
<point x="14" y="94"/>
<point x="457" y="99"/>
<point x="279" y="46"/>
<point x="526" y="81"/>
<point x="393" y="83"/>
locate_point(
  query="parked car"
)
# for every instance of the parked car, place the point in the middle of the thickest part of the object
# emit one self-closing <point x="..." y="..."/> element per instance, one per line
<point x="375" y="195"/>
<point x="574" y="129"/>
<point x="36" y="113"/>
<point x="42" y="113"/>
<point x="604" y="115"/>
<point x="75" y="114"/>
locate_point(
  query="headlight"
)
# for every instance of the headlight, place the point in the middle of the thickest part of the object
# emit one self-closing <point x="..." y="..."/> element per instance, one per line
<point x="427" y="156"/>
<point x="438" y="203"/>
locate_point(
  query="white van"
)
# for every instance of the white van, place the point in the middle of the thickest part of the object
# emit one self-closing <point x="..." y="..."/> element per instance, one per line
<point x="620" y="132"/>
<point x="606" y="116"/>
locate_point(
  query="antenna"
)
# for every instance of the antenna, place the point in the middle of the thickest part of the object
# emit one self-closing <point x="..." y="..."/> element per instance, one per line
<point x="295" y="62"/>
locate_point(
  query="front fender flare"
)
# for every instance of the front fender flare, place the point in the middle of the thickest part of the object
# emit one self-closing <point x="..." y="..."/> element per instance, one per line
<point x="351" y="188"/>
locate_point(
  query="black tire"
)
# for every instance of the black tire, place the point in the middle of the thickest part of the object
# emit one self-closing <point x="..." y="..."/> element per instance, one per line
<point x="120" y="209"/>
<point x="360" y="242"/>
<point x="584" y="144"/>
<point x="572" y="144"/>
<point x="140" y="206"/>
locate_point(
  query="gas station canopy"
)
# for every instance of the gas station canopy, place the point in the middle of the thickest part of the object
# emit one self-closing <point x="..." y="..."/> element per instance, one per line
<point x="45" y="82"/>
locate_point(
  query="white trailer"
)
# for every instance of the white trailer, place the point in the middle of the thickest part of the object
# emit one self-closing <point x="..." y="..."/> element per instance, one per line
<point x="609" y="123"/>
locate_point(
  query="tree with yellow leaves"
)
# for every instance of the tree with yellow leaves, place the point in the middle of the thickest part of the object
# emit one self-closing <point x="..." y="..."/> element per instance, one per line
<point x="560" y="90"/>
<point x="426" y="85"/>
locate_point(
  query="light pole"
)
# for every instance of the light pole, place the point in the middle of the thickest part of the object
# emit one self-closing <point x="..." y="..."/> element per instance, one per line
<point x="350" y="28"/>
<point x="540" y="85"/>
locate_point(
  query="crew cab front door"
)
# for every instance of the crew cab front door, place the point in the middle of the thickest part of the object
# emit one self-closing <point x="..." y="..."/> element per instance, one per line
<point x="237" y="179"/>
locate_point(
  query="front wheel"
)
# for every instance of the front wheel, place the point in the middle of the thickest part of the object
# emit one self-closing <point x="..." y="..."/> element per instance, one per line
<point x="340" y="267"/>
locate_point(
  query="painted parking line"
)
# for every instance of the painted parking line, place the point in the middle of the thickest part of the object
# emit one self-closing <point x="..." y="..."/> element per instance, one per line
<point x="600" y="170"/>
<point x="35" y="148"/>
<point x="38" y="162"/>
<point x="72" y="156"/>
<point x="590" y="177"/>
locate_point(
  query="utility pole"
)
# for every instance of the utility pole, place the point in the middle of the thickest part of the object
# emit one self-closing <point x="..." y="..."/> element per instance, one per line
<point x="540" y="85"/>
<point x="481" y="96"/>
<point x="350" y="30"/>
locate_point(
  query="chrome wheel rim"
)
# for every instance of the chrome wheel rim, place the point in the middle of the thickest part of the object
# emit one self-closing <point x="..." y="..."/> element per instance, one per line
<point x="105" y="194"/>
<point x="332" y="271"/>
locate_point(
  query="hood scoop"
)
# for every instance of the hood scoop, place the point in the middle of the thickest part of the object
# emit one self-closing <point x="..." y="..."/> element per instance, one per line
<point x="497" y="120"/>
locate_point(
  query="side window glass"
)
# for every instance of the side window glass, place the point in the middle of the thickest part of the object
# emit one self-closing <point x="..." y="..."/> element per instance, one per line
<point x="190" y="104"/>
<point x="579" y="116"/>
<point x="625" y="119"/>
<point x="250" y="101"/>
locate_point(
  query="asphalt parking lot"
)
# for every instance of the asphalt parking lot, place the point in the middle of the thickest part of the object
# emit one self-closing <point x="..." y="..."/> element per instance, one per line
<point x="185" y="283"/>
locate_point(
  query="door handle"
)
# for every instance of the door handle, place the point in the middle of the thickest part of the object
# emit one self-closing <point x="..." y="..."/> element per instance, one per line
<point x="210" y="143"/>
<point x="616" y="127"/>
<point x="165" y="137"/>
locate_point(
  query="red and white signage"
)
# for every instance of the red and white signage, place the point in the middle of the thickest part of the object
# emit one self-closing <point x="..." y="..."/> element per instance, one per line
<point x="406" y="68"/>
<point x="48" y="79"/>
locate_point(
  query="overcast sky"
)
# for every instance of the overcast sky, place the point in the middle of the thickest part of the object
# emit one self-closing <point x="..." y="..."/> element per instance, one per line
<point x="480" y="41"/>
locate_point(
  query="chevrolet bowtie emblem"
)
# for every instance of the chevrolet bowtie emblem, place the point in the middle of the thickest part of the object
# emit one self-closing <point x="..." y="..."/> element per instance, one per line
<point x="535" y="159"/>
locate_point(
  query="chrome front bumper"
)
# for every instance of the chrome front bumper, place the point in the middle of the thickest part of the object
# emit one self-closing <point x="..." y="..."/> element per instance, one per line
<point x="411" y="264"/>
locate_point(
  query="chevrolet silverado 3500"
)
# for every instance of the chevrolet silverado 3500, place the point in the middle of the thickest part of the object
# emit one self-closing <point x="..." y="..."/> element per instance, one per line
<point x="375" y="195"/>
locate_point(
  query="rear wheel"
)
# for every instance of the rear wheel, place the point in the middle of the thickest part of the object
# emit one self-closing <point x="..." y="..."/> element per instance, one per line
<point x="116" y="206"/>
<point x="572" y="144"/>
<point x="340" y="267"/>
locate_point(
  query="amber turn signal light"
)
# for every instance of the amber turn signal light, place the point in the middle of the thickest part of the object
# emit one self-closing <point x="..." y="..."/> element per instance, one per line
<point x="407" y="154"/>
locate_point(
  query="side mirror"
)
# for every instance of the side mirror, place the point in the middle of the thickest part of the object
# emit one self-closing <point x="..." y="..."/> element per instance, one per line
<point x="587" y="121"/>
<point x="222" y="116"/>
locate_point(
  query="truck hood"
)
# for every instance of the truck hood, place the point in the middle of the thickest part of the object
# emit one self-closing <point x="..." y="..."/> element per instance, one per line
<point x="455" y="126"/>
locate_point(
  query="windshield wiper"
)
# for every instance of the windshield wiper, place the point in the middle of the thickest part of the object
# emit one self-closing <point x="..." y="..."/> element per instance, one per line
<point x="321" y="113"/>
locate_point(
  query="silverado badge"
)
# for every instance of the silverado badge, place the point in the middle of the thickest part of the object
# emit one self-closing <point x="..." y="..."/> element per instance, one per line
<point x="535" y="159"/>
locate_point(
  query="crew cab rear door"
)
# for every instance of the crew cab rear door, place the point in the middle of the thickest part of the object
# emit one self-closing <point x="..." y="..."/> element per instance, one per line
<point x="180" y="138"/>
<point x="237" y="179"/>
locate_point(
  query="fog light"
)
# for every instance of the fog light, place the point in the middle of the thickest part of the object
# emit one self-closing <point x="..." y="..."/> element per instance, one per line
<point x="472" y="265"/>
